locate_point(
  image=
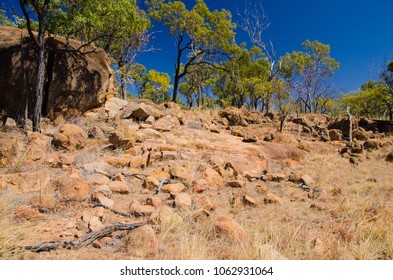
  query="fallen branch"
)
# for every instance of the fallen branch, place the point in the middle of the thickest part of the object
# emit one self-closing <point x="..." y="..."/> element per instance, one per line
<point x="96" y="204"/>
<point x="83" y="241"/>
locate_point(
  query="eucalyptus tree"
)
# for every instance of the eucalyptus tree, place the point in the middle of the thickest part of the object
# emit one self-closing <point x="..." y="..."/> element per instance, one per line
<point x="202" y="37"/>
<point x="41" y="10"/>
<point x="308" y="73"/>
<point x="386" y="76"/>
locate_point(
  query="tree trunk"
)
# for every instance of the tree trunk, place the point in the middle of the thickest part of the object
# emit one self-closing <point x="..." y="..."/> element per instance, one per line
<point x="39" y="88"/>
<point x="124" y="86"/>
<point x="282" y="120"/>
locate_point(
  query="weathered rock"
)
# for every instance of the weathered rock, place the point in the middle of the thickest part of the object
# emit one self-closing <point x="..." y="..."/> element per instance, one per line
<point x="76" y="82"/>
<point x="151" y="183"/>
<point x="24" y="212"/>
<point x="97" y="179"/>
<point x="142" y="110"/>
<point x="95" y="223"/>
<point x="44" y="201"/>
<point x="123" y="137"/>
<point x="166" y="123"/>
<point x="237" y="131"/>
<point x="105" y="201"/>
<point x="101" y="190"/>
<point x="306" y="179"/>
<point x="174" y="188"/>
<point x="114" y="107"/>
<point x="26" y="181"/>
<point x="250" y="139"/>
<point x="137" y="208"/>
<point x="236" y="183"/>
<point x="70" y="137"/>
<point x="202" y="202"/>
<point x="119" y="187"/>
<point x="160" y="175"/>
<point x="228" y="227"/>
<point x="269" y="138"/>
<point x="252" y="175"/>
<point x="213" y="178"/>
<point x="389" y="157"/>
<point x="271" y="198"/>
<point x="96" y="133"/>
<point x="183" y="200"/>
<point x="150" y="120"/>
<point x="360" y="134"/>
<point x="235" y="116"/>
<point x="335" y="135"/>
<point x="356" y="148"/>
<point x="154" y="201"/>
<point x="371" y="145"/>
<point x="148" y="134"/>
<point x="8" y="149"/>
<point x="119" y="161"/>
<point x="296" y="177"/>
<point x="274" y="177"/>
<point x="73" y="189"/>
<point x="249" y="200"/>
<point x="354" y="161"/>
<point x="141" y="242"/>
<point x="179" y="172"/>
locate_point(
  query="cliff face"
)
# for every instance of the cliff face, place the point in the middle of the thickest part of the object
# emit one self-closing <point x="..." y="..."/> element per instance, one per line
<point x="75" y="81"/>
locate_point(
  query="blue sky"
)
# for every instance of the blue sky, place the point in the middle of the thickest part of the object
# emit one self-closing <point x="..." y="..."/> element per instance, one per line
<point x="360" y="33"/>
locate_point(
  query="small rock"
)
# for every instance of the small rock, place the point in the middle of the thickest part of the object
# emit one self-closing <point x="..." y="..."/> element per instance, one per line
<point x="389" y="157"/>
<point x="123" y="138"/>
<point x="183" y="200"/>
<point x="228" y="227"/>
<point x="274" y="177"/>
<point x="166" y="123"/>
<point x="174" y="188"/>
<point x="70" y="137"/>
<point x="271" y="198"/>
<point x="97" y="244"/>
<point x="101" y="190"/>
<point x="236" y="183"/>
<point x="250" y="139"/>
<point x="24" y="212"/>
<point x="119" y="187"/>
<point x="73" y="189"/>
<point x="252" y="175"/>
<point x="307" y="180"/>
<point x="269" y="137"/>
<point x="141" y="242"/>
<point x="95" y="223"/>
<point x="44" y="201"/>
<point x="151" y="183"/>
<point x="150" y="120"/>
<point x="371" y="145"/>
<point x="296" y="177"/>
<point x="354" y="160"/>
<point x="335" y="135"/>
<point x="97" y="179"/>
<point x="179" y="172"/>
<point x="250" y="200"/>
<point x="202" y="202"/>
<point x="154" y="201"/>
<point x="160" y="175"/>
<point x="262" y="188"/>
<point x="136" y="208"/>
<point x="105" y="201"/>
<point x="119" y="161"/>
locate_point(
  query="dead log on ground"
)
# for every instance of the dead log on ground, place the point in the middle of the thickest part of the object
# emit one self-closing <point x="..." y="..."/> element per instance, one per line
<point x="83" y="241"/>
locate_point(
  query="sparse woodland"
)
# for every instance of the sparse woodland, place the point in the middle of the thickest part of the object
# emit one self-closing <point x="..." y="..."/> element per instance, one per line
<point x="236" y="154"/>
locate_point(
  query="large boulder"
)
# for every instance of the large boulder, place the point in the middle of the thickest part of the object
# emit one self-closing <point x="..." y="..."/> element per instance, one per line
<point x="76" y="80"/>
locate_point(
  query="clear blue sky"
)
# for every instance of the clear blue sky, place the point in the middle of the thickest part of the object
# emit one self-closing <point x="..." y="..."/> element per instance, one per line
<point x="360" y="33"/>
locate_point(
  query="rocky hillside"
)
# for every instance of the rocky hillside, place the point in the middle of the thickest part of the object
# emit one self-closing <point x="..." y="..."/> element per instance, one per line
<point x="195" y="185"/>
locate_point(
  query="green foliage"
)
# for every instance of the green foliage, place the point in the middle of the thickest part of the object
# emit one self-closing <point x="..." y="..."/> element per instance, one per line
<point x="202" y="36"/>
<point x="307" y="72"/>
<point x="4" y="20"/>
<point x="156" y="86"/>
<point x="370" y="101"/>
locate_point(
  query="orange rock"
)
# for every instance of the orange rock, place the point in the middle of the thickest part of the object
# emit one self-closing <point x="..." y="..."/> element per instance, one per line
<point x="119" y="187"/>
<point x="70" y="137"/>
<point x="141" y="242"/>
<point x="24" y="212"/>
<point x="271" y="198"/>
<point x="229" y="228"/>
<point x="73" y="189"/>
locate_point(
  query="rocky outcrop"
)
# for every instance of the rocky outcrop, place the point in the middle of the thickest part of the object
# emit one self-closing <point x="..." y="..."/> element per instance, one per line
<point x="75" y="81"/>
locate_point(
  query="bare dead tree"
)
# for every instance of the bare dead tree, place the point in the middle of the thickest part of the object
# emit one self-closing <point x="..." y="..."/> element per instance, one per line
<point x="254" y="22"/>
